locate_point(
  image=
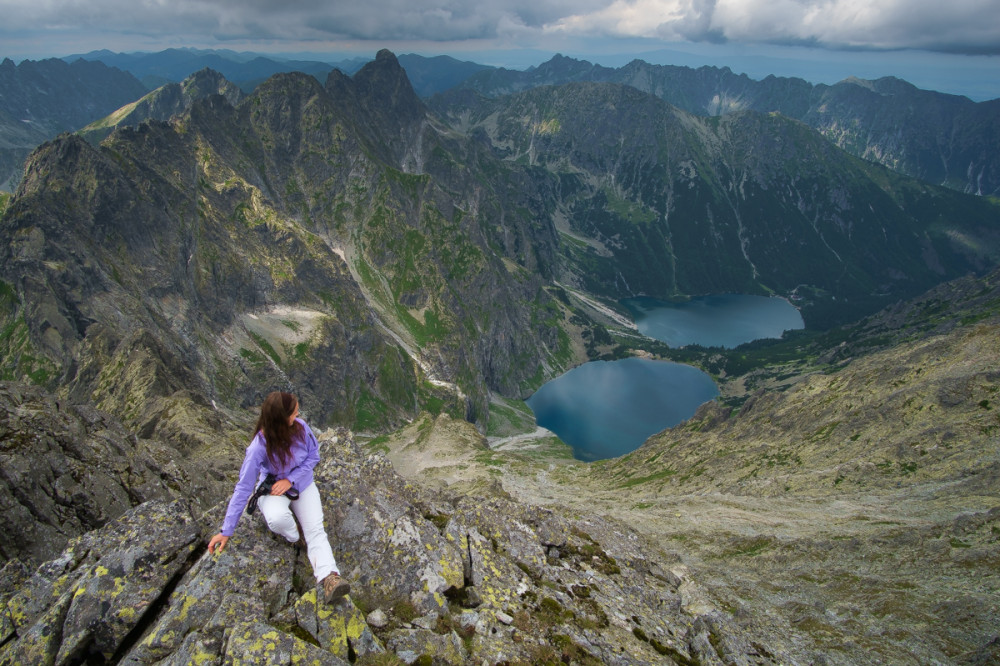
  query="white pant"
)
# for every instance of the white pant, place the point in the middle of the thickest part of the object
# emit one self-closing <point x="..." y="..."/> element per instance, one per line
<point x="278" y="510"/>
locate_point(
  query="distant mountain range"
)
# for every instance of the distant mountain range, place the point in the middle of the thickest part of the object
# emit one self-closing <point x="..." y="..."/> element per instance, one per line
<point x="427" y="75"/>
<point x="175" y="65"/>
<point x="942" y="139"/>
<point x="345" y="238"/>
<point x="40" y="99"/>
<point x="657" y="201"/>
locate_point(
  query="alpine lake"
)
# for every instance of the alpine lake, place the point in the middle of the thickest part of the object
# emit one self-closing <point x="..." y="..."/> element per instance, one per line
<point x="605" y="409"/>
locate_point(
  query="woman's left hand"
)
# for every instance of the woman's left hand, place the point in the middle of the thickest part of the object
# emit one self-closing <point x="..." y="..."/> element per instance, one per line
<point x="280" y="487"/>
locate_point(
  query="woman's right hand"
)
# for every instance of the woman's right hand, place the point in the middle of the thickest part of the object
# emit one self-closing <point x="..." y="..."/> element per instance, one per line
<point x="217" y="543"/>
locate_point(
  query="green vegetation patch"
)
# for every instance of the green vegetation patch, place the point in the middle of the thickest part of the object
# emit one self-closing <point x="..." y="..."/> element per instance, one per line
<point x="510" y="417"/>
<point x="434" y="327"/>
<point x="378" y="444"/>
<point x="19" y="360"/>
<point x="266" y="347"/>
<point x="655" y="476"/>
<point x="781" y="459"/>
<point x="8" y="296"/>
<point x="748" y="547"/>
<point x="823" y="432"/>
<point x="490" y="459"/>
<point x="300" y="352"/>
<point x="585" y="546"/>
<point x="252" y="357"/>
<point x="628" y="210"/>
<point x="371" y="413"/>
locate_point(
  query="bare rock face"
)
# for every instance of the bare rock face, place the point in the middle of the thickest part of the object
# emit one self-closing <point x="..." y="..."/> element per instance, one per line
<point x="68" y="469"/>
<point x="164" y="102"/>
<point x="446" y="579"/>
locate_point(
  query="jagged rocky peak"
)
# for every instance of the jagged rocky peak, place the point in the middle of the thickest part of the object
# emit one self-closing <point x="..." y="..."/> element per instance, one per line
<point x="288" y="82"/>
<point x="561" y="65"/>
<point x="207" y="82"/>
<point x="443" y="578"/>
<point x="386" y="90"/>
<point x="165" y="102"/>
<point x="382" y="105"/>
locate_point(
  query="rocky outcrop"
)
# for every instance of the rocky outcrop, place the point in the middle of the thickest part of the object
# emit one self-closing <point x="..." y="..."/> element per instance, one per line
<point x="164" y="103"/>
<point x="434" y="577"/>
<point x="67" y="469"/>
<point x="95" y="594"/>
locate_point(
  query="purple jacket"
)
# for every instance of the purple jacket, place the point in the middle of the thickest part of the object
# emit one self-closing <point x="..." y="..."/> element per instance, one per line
<point x="298" y="470"/>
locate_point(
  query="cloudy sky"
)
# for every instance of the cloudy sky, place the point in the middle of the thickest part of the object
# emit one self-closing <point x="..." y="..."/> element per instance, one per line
<point x="957" y="39"/>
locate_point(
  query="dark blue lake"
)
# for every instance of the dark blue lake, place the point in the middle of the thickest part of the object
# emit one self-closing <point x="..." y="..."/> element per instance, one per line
<point x="720" y="320"/>
<point x="605" y="409"/>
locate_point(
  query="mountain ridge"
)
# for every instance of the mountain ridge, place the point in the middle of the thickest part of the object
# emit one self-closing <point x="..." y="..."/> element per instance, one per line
<point x="956" y="144"/>
<point x="217" y="182"/>
<point x="947" y="140"/>
<point x="164" y="102"/>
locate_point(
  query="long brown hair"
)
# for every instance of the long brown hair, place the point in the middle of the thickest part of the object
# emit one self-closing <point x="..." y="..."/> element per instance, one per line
<point x="273" y="422"/>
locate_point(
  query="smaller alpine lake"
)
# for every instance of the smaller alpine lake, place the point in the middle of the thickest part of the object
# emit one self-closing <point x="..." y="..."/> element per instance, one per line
<point x="719" y="320"/>
<point x="605" y="409"/>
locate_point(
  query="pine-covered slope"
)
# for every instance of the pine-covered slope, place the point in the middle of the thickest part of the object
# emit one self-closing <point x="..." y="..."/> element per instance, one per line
<point x="656" y="201"/>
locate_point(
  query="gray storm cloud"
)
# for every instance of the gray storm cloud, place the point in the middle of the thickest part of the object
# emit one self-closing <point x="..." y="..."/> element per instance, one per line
<point x="958" y="26"/>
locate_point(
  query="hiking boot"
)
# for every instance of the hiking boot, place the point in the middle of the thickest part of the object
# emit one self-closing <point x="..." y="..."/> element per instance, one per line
<point x="334" y="587"/>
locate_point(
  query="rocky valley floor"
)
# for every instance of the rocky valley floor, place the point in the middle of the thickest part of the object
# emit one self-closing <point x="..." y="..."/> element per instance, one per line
<point x="909" y="577"/>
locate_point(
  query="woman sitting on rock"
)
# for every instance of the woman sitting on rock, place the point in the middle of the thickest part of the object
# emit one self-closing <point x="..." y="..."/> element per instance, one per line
<point x="285" y="446"/>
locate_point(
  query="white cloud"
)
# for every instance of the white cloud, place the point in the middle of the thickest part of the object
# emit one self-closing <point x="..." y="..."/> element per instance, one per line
<point x="957" y="26"/>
